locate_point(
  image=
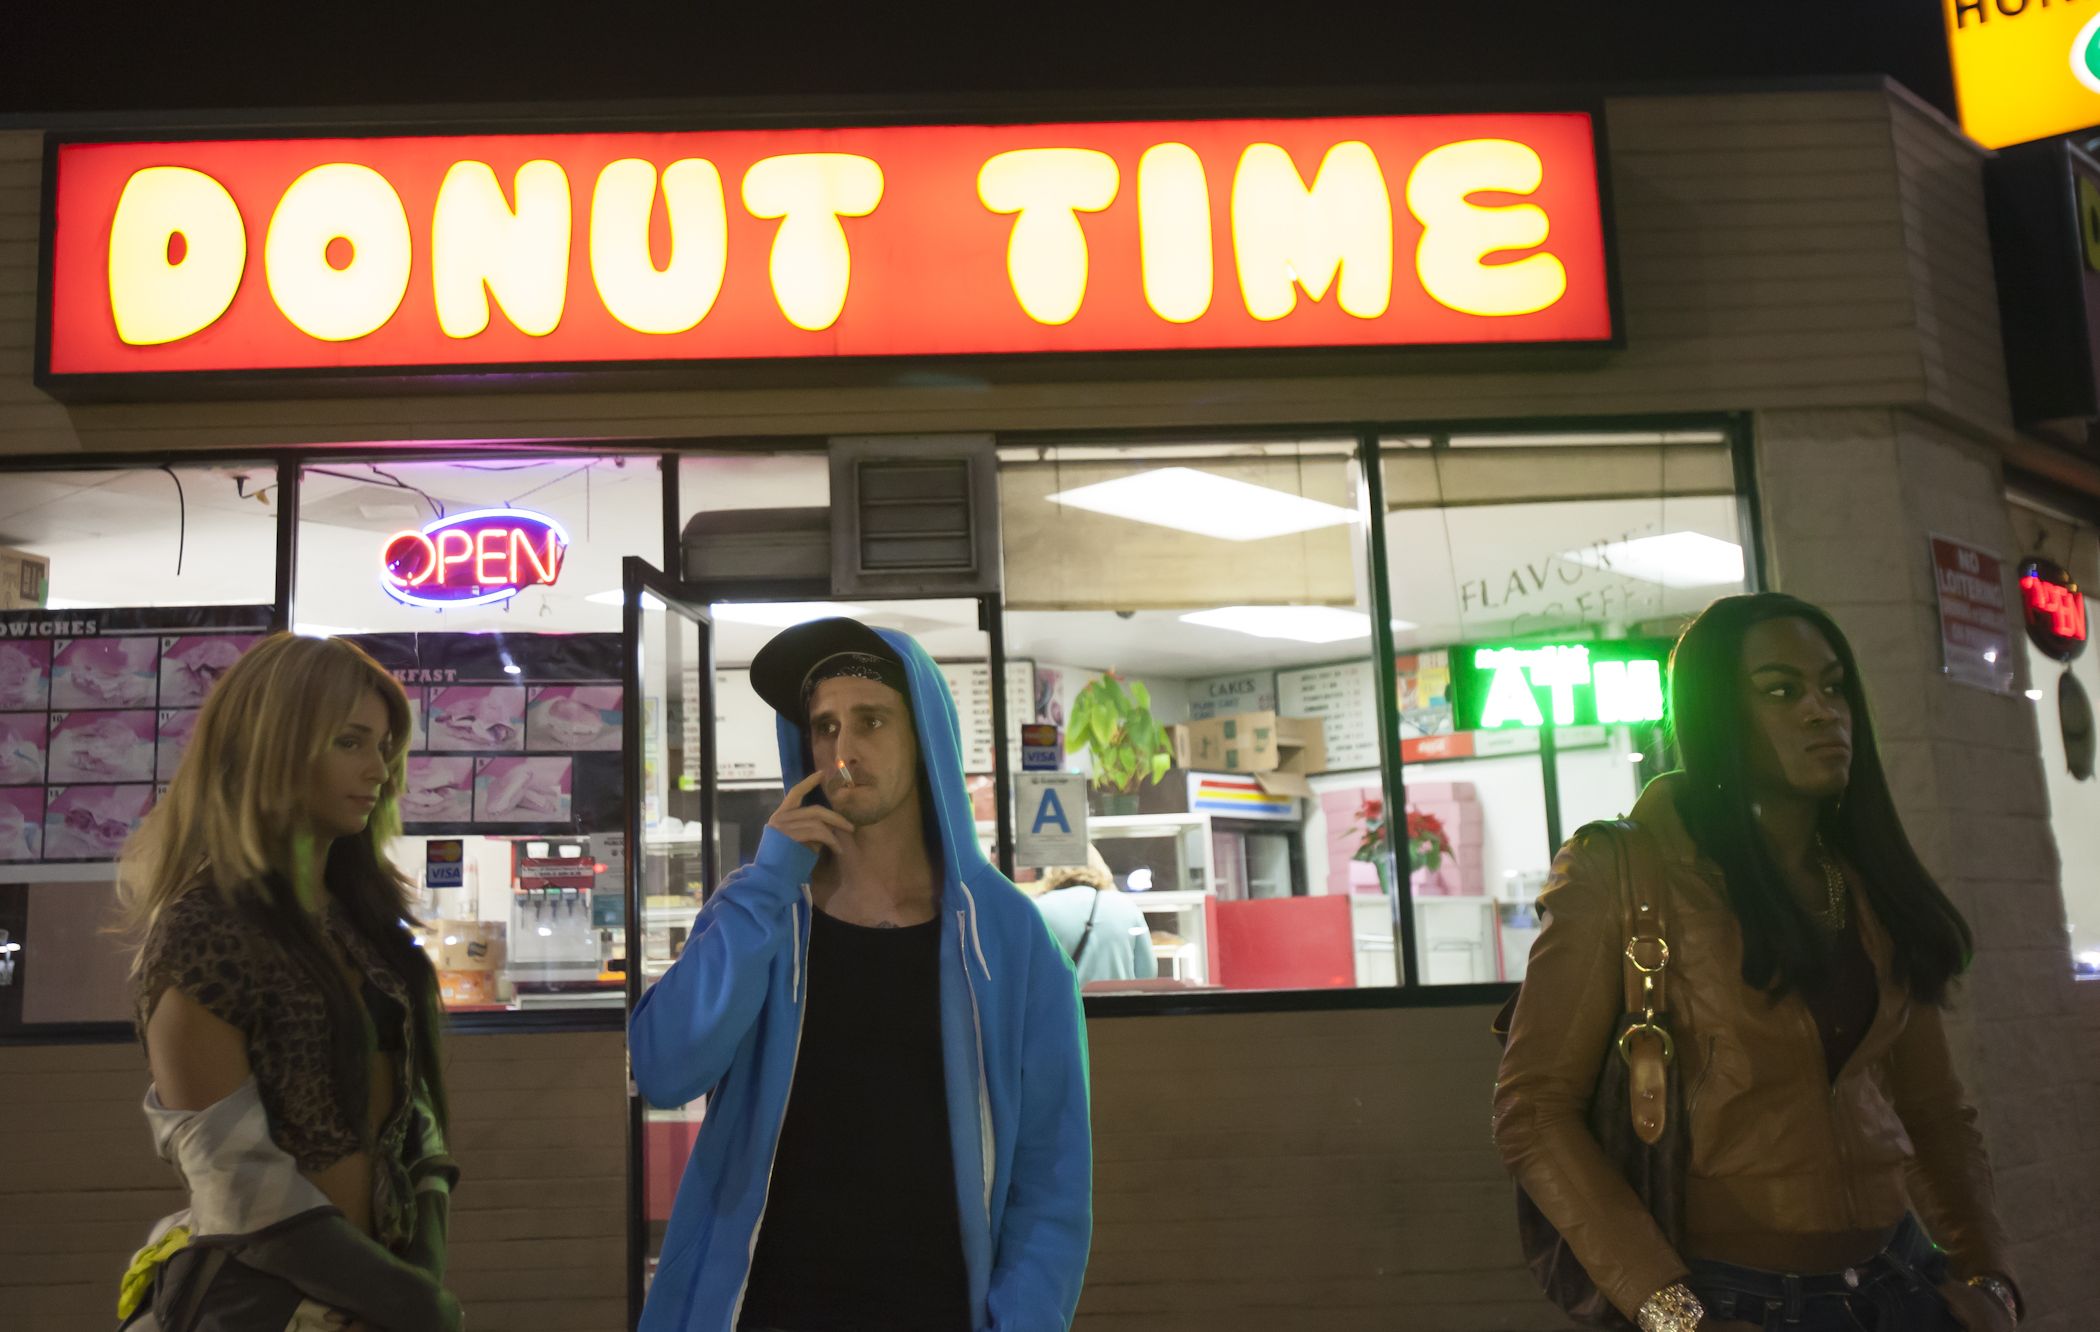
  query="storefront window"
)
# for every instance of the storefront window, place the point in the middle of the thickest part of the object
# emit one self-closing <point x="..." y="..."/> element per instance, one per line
<point x="491" y="588"/>
<point x="2063" y="693"/>
<point x="1201" y="609"/>
<point x="124" y="592"/>
<point x="1501" y="545"/>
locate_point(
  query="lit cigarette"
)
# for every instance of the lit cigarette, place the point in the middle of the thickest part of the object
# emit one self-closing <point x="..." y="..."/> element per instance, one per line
<point x="845" y="775"/>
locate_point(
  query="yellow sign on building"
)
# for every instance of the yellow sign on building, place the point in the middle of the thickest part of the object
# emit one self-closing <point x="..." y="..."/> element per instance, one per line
<point x="2024" y="69"/>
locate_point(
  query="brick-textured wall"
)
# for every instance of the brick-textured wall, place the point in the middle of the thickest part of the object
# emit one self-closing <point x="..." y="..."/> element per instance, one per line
<point x="538" y="1235"/>
<point x="1316" y="1172"/>
<point x="1849" y="499"/>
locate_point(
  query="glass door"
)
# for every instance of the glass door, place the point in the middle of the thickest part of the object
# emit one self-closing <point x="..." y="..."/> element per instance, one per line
<point x="668" y="660"/>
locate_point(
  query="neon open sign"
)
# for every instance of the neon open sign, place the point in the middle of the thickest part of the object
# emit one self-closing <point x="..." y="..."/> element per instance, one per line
<point x="1611" y="682"/>
<point x="2055" y="609"/>
<point x="470" y="559"/>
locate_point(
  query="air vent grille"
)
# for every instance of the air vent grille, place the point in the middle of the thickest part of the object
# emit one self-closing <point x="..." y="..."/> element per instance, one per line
<point x="915" y="516"/>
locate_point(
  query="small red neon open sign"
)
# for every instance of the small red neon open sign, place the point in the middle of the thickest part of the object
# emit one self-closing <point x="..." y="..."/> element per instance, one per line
<point x="2055" y="609"/>
<point x="470" y="559"/>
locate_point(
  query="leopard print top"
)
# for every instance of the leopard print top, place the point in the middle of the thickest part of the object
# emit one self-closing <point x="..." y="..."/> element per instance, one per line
<point x="200" y="946"/>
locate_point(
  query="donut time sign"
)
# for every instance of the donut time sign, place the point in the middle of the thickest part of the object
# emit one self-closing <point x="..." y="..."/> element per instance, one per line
<point x="443" y="255"/>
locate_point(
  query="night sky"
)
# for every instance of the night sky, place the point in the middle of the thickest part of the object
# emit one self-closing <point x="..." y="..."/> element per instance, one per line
<point x="71" y="56"/>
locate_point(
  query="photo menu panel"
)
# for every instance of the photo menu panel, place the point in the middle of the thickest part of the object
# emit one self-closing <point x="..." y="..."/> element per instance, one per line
<point x="514" y="733"/>
<point x="96" y="707"/>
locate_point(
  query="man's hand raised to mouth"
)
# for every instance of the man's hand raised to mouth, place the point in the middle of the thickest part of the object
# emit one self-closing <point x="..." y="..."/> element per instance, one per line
<point x="815" y="826"/>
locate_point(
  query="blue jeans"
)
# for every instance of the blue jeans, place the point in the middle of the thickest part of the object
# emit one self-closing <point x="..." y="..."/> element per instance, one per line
<point x="1894" y="1291"/>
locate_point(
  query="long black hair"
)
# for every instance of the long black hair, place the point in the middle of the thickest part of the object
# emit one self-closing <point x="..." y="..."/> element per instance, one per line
<point x="1782" y="948"/>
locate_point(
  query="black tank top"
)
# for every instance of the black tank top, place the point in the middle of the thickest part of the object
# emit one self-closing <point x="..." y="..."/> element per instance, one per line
<point x="860" y="1229"/>
<point x="1845" y="1003"/>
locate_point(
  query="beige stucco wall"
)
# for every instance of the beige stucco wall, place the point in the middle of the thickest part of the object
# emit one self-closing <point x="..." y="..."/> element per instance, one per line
<point x="1815" y="258"/>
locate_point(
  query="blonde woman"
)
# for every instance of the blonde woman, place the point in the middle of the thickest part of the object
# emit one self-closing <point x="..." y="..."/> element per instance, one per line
<point x="290" y="1023"/>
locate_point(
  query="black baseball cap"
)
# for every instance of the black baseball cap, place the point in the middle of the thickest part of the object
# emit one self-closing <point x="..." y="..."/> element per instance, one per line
<point x="797" y="658"/>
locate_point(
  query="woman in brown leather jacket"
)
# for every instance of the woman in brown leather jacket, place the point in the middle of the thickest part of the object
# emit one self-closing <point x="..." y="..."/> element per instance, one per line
<point x="1810" y="956"/>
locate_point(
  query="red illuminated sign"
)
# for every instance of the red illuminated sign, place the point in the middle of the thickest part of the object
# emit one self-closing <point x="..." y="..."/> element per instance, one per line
<point x="2055" y="609"/>
<point x="527" y="251"/>
<point x="470" y="559"/>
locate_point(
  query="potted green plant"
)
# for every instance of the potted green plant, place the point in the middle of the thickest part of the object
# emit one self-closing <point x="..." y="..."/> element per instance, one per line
<point x="1113" y="722"/>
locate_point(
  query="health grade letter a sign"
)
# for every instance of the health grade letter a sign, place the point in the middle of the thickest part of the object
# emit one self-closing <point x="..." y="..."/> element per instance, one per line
<point x="443" y="255"/>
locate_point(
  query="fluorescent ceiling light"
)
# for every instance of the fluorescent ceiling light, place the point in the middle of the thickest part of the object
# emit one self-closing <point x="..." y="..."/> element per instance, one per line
<point x="611" y="597"/>
<point x="323" y="630"/>
<point x="1676" y="559"/>
<point x="1205" y="503"/>
<point x="1302" y="624"/>
<point x="780" y="614"/>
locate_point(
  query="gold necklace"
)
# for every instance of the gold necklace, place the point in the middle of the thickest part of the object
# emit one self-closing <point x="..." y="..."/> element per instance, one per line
<point x="1833" y="914"/>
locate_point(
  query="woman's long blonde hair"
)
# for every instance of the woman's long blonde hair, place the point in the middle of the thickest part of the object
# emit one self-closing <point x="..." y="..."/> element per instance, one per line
<point x="231" y="821"/>
<point x="234" y="808"/>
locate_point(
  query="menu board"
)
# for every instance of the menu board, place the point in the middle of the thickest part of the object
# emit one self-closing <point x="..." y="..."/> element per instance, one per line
<point x="971" y="684"/>
<point x="96" y="707"/>
<point x="747" y="745"/>
<point x="512" y="733"/>
<point x="1344" y="698"/>
<point x="747" y="750"/>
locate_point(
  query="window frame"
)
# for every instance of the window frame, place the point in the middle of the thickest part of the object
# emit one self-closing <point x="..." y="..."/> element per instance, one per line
<point x="1409" y="992"/>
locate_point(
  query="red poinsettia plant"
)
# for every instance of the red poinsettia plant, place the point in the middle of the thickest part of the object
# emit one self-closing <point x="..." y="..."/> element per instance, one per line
<point x="1427" y="844"/>
<point x="1369" y="830"/>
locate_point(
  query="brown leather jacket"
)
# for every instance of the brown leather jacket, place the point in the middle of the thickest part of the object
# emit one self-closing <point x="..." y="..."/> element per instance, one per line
<point x="1775" y="1148"/>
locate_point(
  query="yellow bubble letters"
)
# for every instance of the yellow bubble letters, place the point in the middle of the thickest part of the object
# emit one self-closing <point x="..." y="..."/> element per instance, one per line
<point x="637" y="293"/>
<point x="338" y="201"/>
<point x="155" y="299"/>
<point x="1048" y="188"/>
<point x="480" y="245"/>
<point x="812" y="266"/>
<point x="1458" y="234"/>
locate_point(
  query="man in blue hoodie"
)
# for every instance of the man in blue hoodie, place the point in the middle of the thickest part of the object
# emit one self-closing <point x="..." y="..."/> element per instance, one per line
<point x="890" y="1041"/>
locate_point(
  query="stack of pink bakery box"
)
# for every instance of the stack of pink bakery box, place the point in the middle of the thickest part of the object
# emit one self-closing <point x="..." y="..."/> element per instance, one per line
<point x="1455" y="806"/>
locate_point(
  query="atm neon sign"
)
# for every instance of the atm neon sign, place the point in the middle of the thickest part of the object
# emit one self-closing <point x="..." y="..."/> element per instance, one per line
<point x="1615" y="682"/>
<point x="542" y="250"/>
<point x="471" y="559"/>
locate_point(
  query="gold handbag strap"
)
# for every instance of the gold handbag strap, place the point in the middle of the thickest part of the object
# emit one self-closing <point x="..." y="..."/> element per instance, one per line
<point x="1645" y="1045"/>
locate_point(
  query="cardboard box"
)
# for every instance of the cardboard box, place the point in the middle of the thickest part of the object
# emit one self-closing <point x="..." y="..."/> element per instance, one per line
<point x="25" y="580"/>
<point x="469" y="945"/>
<point x="1253" y="742"/>
<point x="456" y="988"/>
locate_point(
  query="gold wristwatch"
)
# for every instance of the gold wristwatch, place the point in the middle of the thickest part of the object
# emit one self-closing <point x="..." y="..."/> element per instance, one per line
<point x="1672" y="1309"/>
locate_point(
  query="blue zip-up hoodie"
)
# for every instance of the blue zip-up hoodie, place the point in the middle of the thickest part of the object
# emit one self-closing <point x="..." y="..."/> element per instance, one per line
<point x="726" y="1021"/>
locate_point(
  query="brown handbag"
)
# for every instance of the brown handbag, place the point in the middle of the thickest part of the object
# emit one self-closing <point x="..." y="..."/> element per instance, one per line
<point x="1637" y="1108"/>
